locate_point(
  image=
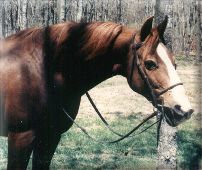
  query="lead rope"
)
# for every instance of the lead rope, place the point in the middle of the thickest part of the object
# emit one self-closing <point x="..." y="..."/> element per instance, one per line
<point x="101" y="117"/>
<point x="119" y="139"/>
<point x="106" y="123"/>
<point x="156" y="111"/>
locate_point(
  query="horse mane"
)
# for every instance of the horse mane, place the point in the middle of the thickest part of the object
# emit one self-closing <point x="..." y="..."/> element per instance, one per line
<point x="99" y="38"/>
<point x="89" y="39"/>
<point x="77" y="42"/>
<point x="85" y="38"/>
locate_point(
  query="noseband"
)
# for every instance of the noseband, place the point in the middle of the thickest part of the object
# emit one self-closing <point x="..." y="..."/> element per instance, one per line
<point x="136" y="61"/>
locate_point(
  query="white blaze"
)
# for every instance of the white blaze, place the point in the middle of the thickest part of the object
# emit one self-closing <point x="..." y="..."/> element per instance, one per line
<point x="177" y="93"/>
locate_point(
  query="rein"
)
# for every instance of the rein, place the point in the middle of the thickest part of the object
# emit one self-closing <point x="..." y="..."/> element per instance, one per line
<point x="144" y="77"/>
<point x="119" y="139"/>
<point x="112" y="130"/>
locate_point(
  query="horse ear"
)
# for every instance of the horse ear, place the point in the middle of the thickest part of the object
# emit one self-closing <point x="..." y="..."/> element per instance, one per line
<point x="162" y="27"/>
<point x="146" y="28"/>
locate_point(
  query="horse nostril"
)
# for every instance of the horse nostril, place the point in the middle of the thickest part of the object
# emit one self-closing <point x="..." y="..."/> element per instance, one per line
<point x="178" y="107"/>
<point x="185" y="114"/>
<point x="188" y="113"/>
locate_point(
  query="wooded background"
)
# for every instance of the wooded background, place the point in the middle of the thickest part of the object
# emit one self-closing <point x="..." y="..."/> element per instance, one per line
<point x="183" y="32"/>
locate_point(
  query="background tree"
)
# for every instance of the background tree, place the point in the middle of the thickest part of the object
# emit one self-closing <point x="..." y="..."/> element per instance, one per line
<point x="183" y="34"/>
<point x="199" y="29"/>
<point x="167" y="144"/>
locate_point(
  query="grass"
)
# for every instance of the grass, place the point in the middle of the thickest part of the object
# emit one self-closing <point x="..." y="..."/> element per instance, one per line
<point x="79" y="152"/>
<point x="76" y="151"/>
<point x="124" y="109"/>
<point x="189" y="144"/>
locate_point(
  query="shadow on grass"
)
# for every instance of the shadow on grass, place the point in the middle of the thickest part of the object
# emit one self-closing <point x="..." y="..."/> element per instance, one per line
<point x="132" y="115"/>
<point x="116" y="113"/>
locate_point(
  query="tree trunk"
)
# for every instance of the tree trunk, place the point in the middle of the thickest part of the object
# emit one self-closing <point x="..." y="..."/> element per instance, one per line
<point x="80" y="10"/>
<point x="22" y="20"/>
<point x="167" y="146"/>
<point x="157" y="14"/>
<point x="24" y="14"/>
<point x="199" y="30"/>
<point x="61" y="10"/>
<point x="119" y="9"/>
<point x="48" y="14"/>
<point x="3" y="22"/>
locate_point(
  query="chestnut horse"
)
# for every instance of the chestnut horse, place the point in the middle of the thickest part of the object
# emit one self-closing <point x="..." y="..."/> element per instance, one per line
<point x="45" y="70"/>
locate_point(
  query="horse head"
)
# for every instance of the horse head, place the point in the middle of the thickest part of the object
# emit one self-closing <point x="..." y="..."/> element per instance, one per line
<point x="151" y="72"/>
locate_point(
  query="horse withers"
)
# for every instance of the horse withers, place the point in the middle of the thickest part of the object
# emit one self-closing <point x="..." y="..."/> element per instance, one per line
<point x="45" y="70"/>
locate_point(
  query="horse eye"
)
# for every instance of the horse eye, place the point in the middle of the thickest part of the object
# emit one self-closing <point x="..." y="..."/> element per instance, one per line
<point x="150" y="65"/>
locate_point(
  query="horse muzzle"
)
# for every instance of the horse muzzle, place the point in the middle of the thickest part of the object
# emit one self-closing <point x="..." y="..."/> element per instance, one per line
<point x="174" y="104"/>
<point x="175" y="116"/>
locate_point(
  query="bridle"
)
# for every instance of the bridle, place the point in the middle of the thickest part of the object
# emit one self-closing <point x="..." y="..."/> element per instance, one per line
<point x="136" y="61"/>
<point x="157" y="112"/>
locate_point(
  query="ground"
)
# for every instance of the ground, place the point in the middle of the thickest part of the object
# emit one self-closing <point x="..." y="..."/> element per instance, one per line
<point x="123" y="109"/>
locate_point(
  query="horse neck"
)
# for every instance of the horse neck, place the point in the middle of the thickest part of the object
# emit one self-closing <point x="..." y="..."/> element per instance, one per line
<point x="100" y="68"/>
<point x="85" y="69"/>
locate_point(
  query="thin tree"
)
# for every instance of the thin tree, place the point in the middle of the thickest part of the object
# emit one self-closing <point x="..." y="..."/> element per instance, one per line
<point x="199" y="30"/>
<point x="3" y="21"/>
<point x="167" y="145"/>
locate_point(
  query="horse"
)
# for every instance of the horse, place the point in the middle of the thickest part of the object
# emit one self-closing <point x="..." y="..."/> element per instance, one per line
<point x="43" y="70"/>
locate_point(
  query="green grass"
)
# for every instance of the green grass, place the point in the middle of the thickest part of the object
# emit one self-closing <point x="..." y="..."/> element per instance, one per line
<point x="76" y="151"/>
<point x="190" y="145"/>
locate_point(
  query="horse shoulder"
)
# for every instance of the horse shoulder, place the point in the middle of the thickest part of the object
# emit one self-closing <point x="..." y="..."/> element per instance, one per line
<point x="22" y="86"/>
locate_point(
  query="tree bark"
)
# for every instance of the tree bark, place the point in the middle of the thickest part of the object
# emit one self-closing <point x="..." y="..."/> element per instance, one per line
<point x="3" y="22"/>
<point x="199" y="30"/>
<point x="24" y="14"/>
<point x="80" y="10"/>
<point x="167" y="145"/>
<point x="157" y="11"/>
<point x="61" y="10"/>
<point x="48" y="14"/>
<point x="119" y="9"/>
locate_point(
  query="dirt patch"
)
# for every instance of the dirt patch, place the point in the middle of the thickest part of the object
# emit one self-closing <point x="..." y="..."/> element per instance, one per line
<point x="114" y="97"/>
